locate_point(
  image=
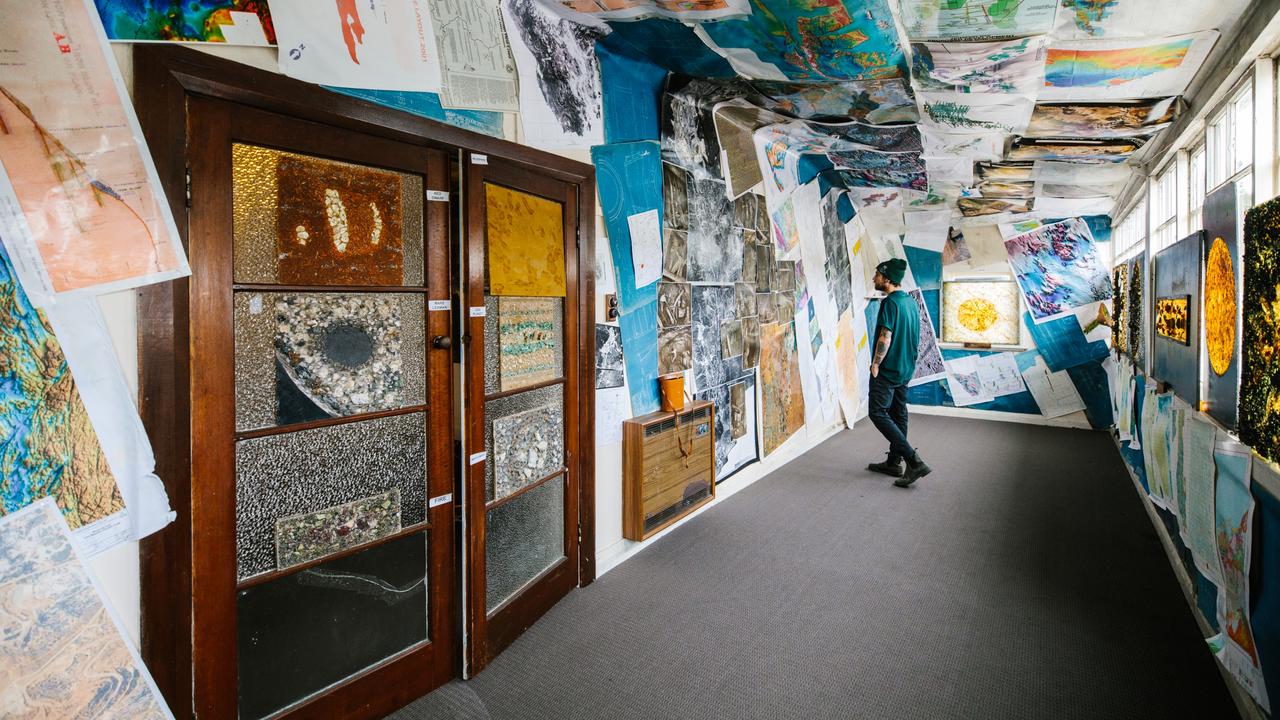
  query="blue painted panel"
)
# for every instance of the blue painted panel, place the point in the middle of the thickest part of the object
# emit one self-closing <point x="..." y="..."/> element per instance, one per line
<point x="1062" y="343"/>
<point x="632" y="90"/>
<point x="674" y="46"/>
<point x="640" y="355"/>
<point x="427" y="105"/>
<point x="1091" y="382"/>
<point x="926" y="267"/>
<point x="629" y="178"/>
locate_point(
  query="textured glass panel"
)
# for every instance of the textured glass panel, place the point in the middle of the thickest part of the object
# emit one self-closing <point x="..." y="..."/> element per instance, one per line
<point x="300" y="220"/>
<point x="523" y="342"/>
<point x="522" y="538"/>
<point x="525" y="243"/>
<point x="310" y="356"/>
<point x="302" y="633"/>
<point x="548" y="403"/>
<point x="279" y="477"/>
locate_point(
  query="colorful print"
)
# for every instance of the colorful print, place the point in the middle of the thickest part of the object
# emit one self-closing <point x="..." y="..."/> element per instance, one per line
<point x="1220" y="307"/>
<point x="1109" y="68"/>
<point x="1058" y="268"/>
<point x="782" y="396"/>
<point x="1171" y="318"/>
<point x="187" y="21"/>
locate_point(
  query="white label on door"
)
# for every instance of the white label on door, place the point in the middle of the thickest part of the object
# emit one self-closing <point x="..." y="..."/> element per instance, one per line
<point x="437" y="305"/>
<point x="437" y="196"/>
<point x="477" y="458"/>
<point x="479" y="159"/>
<point x="477" y="311"/>
<point x="439" y="500"/>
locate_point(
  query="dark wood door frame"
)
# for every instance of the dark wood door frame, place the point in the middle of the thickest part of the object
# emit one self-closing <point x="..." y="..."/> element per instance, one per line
<point x="165" y="79"/>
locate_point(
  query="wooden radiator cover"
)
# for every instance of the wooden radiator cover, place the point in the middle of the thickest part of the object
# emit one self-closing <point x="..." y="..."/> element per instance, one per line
<point x="668" y="467"/>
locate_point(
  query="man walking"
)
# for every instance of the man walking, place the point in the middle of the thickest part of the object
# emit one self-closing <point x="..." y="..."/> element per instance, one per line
<point x="893" y="362"/>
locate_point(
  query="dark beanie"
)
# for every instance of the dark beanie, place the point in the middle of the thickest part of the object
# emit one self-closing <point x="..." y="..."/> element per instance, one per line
<point x="893" y="269"/>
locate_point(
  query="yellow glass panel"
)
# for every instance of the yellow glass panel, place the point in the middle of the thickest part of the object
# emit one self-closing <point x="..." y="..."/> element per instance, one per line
<point x="526" y="244"/>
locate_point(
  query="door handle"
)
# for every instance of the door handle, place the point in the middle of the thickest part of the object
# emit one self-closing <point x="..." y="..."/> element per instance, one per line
<point x="442" y="342"/>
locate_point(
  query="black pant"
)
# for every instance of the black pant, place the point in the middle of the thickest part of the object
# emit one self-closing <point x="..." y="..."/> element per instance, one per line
<point x="889" y="414"/>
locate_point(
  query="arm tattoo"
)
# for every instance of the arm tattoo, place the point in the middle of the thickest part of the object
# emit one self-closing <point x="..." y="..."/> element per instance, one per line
<point x="883" y="341"/>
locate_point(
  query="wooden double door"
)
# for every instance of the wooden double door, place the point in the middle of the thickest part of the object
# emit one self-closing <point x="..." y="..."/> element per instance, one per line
<point x="355" y="422"/>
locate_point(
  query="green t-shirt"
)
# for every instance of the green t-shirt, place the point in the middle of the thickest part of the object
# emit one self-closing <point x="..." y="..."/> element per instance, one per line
<point x="900" y="315"/>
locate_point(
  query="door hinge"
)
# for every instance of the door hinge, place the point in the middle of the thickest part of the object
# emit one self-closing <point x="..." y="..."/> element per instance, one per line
<point x="188" y="174"/>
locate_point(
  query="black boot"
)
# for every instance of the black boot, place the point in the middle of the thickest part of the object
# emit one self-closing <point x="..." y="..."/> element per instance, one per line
<point x="916" y="469"/>
<point x="891" y="467"/>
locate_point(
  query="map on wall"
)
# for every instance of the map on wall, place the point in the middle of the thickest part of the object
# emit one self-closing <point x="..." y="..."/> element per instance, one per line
<point x="234" y="22"/>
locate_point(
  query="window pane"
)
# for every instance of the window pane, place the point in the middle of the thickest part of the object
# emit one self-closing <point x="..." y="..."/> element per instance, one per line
<point x="1242" y="131"/>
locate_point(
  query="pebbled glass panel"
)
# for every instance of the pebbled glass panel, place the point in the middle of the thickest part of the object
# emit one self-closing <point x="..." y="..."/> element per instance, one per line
<point x="544" y="407"/>
<point x="523" y="538"/>
<point x="282" y="477"/>
<point x="302" y="633"/>
<point x="301" y="220"/>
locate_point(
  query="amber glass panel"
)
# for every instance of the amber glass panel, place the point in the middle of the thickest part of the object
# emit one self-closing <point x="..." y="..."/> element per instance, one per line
<point x="301" y="220"/>
<point x="525" y="248"/>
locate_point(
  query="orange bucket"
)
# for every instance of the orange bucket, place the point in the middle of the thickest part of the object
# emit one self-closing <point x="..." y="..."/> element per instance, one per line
<point x="671" y="388"/>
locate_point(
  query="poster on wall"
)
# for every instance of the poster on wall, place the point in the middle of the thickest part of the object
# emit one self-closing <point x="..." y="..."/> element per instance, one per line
<point x="65" y="652"/>
<point x="371" y="44"/>
<point x="477" y="70"/>
<point x="233" y="22"/>
<point x="1131" y="68"/>
<point x="1234" y="516"/>
<point x="561" y="101"/>
<point x="1058" y="268"/>
<point x="1222" y="270"/>
<point x="1175" y="352"/>
<point x="81" y="207"/>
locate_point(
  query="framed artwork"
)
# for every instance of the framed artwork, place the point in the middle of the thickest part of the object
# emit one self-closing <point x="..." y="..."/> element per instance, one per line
<point x="987" y="312"/>
<point x="1175" y="342"/>
<point x="1260" y="372"/>
<point x="1221" y="310"/>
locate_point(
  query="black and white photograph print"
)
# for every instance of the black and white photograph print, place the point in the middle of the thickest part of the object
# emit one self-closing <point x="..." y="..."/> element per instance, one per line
<point x="713" y="306"/>
<point x="766" y="308"/>
<point x="609" y="366"/>
<point x="561" y="101"/>
<point x="764" y="268"/>
<point x="731" y="339"/>
<point x="675" y="254"/>
<point x="750" y="342"/>
<point x="786" y="276"/>
<point x="745" y="209"/>
<point x="738" y="410"/>
<point x="786" y="300"/>
<point x="673" y="304"/>
<point x="675" y="349"/>
<point x="714" y="244"/>
<point x="675" y="197"/>
<point x="749" y="257"/>
<point x="745" y="297"/>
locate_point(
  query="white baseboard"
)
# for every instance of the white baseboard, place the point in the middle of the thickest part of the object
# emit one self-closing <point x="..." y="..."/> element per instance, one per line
<point x="610" y="557"/>
<point x="1074" y="420"/>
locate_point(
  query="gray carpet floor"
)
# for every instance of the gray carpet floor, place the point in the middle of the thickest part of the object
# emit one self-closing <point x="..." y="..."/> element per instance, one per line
<point x="1022" y="579"/>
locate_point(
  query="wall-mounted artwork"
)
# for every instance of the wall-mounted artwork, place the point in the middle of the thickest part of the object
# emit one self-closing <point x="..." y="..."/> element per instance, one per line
<point x="714" y="308"/>
<point x="982" y="312"/>
<point x="312" y="535"/>
<point x="750" y="342"/>
<point x="530" y="334"/>
<point x="1172" y="318"/>
<point x="1222" y="271"/>
<point x="1136" y="305"/>
<point x="673" y="304"/>
<point x="1132" y="119"/>
<point x="1120" y="307"/>
<point x="64" y="655"/>
<point x="929" y="364"/>
<point x="1058" y="268"/>
<point x="675" y="254"/>
<point x="609" y="359"/>
<point x="1260" y="371"/>
<point x="1175" y="345"/>
<point x="525" y="243"/>
<point x="234" y="22"/>
<point x="782" y="396"/>
<point x="675" y="349"/>
<point x="527" y="447"/>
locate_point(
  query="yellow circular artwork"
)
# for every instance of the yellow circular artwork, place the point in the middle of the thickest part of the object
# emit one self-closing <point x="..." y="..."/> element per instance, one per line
<point x="977" y="314"/>
<point x="1220" y="307"/>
